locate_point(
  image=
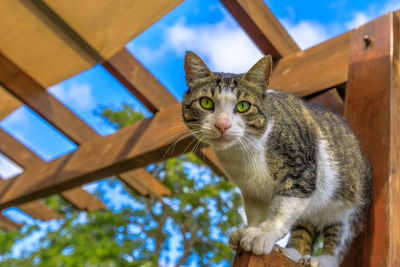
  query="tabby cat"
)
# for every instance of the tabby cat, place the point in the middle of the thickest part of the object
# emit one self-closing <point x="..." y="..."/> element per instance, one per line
<point x="299" y="166"/>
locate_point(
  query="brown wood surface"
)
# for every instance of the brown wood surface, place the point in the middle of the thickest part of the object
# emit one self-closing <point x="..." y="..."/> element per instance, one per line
<point x="36" y="97"/>
<point x="372" y="110"/>
<point x="7" y="103"/>
<point x="25" y="158"/>
<point x="317" y="68"/>
<point x="274" y="259"/>
<point x="132" y="147"/>
<point x="262" y="27"/>
<point x="108" y="25"/>
<point x="36" y="209"/>
<point x="330" y="99"/>
<point x="139" y="81"/>
<point x="7" y="224"/>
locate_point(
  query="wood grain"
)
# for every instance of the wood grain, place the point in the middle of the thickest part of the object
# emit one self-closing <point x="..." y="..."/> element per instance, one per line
<point x="274" y="259"/>
<point x="139" y="81"/>
<point x="36" y="97"/>
<point x="8" y="103"/>
<point x="262" y="27"/>
<point x="317" y="68"/>
<point x="25" y="158"/>
<point x="132" y="147"/>
<point x="372" y="110"/>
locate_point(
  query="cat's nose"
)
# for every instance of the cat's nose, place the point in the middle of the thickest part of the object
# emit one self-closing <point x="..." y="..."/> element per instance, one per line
<point x="222" y="124"/>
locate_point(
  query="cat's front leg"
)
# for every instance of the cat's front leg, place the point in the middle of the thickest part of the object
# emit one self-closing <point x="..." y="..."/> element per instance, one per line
<point x="284" y="211"/>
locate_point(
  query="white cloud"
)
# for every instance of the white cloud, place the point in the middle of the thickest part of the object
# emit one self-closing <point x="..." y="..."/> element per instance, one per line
<point x="391" y="5"/>
<point x="359" y="19"/>
<point x="224" y="46"/>
<point x="8" y="168"/>
<point x="78" y="95"/>
<point x="306" y="33"/>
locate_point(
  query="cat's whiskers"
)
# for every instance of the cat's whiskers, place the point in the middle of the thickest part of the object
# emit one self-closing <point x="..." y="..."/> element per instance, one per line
<point x="173" y="145"/>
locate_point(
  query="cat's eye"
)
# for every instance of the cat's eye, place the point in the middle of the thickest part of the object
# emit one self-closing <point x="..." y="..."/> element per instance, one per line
<point x="206" y="103"/>
<point x="242" y="106"/>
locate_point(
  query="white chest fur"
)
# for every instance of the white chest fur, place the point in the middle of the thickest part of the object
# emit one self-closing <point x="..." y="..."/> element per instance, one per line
<point x="246" y="166"/>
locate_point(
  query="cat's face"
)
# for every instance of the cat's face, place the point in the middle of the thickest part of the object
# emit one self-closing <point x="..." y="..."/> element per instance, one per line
<point x="224" y="109"/>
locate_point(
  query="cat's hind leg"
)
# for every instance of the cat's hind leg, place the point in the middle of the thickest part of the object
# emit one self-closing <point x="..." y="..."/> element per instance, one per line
<point x="302" y="237"/>
<point x="337" y="237"/>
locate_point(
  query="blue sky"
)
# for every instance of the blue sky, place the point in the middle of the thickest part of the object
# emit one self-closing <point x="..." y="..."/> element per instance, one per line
<point x="203" y="26"/>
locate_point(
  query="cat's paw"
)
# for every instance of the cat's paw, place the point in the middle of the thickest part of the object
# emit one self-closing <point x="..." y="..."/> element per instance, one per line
<point x="309" y="261"/>
<point x="257" y="240"/>
<point x="319" y="261"/>
<point x="234" y="238"/>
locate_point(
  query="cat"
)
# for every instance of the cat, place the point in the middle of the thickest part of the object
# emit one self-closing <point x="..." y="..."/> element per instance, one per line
<point x="298" y="166"/>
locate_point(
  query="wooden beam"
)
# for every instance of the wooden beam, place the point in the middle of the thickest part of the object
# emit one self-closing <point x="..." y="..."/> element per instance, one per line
<point x="7" y="224"/>
<point x="25" y="158"/>
<point x="262" y="27"/>
<point x="330" y="99"/>
<point x="373" y="112"/>
<point x="132" y="147"/>
<point x="320" y="67"/>
<point x="274" y="259"/>
<point x="36" y="97"/>
<point x="139" y="81"/>
<point x="36" y="209"/>
<point x="7" y="103"/>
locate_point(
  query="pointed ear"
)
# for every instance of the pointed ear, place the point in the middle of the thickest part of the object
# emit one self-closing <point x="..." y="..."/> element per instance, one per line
<point x="195" y="68"/>
<point x="260" y="72"/>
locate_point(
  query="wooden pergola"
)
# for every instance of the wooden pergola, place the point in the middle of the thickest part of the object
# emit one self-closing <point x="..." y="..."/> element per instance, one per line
<point x="44" y="42"/>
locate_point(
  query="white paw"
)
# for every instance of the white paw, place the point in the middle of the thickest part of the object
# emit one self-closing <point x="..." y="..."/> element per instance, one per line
<point x="319" y="261"/>
<point x="257" y="240"/>
<point x="234" y="238"/>
<point x="309" y="261"/>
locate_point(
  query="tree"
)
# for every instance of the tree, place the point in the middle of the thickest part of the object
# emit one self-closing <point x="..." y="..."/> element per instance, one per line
<point x="196" y="219"/>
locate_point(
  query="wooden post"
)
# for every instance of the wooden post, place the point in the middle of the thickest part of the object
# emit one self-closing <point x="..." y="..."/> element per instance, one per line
<point x="274" y="259"/>
<point x="373" y="112"/>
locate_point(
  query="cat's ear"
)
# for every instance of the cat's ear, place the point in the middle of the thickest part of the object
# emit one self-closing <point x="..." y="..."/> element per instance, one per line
<point x="195" y="68"/>
<point x="260" y="72"/>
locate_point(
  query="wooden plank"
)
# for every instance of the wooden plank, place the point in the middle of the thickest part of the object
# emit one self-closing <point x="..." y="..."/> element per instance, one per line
<point x="36" y="209"/>
<point x="25" y="158"/>
<point x="372" y="110"/>
<point x="330" y="99"/>
<point x="145" y="180"/>
<point x="139" y="81"/>
<point x="7" y="103"/>
<point x="7" y="224"/>
<point x="39" y="210"/>
<point x="317" y="68"/>
<point x="51" y="56"/>
<point x="108" y="25"/>
<point x="132" y="147"/>
<point x="262" y="27"/>
<point x="274" y="259"/>
<point x="36" y="97"/>
<point x="28" y="91"/>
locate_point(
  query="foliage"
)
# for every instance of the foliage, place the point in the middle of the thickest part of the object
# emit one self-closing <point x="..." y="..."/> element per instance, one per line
<point x="196" y="219"/>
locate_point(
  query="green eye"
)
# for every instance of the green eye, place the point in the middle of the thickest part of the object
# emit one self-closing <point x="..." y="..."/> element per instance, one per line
<point x="242" y="106"/>
<point x="206" y="103"/>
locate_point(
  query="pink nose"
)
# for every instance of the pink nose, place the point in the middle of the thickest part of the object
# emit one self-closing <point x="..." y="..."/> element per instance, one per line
<point x="222" y="124"/>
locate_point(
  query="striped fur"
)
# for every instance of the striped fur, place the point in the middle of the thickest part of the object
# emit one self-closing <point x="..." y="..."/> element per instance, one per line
<point x="299" y="166"/>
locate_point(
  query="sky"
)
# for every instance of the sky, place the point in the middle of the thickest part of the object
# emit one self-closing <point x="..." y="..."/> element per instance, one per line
<point x="202" y="26"/>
